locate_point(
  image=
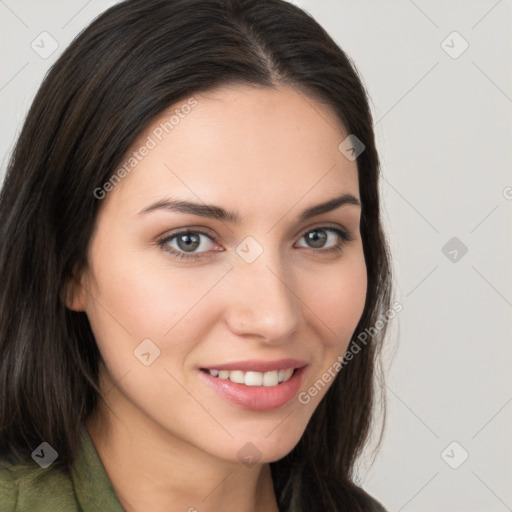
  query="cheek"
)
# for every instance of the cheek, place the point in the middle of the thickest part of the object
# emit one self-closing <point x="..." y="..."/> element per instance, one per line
<point x="338" y="302"/>
<point x="337" y="297"/>
<point x="137" y="296"/>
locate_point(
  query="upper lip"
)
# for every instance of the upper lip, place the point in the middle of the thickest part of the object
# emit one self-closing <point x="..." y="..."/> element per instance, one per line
<point x="259" y="365"/>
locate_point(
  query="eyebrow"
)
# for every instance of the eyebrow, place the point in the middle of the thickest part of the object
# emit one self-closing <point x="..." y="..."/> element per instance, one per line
<point x="218" y="213"/>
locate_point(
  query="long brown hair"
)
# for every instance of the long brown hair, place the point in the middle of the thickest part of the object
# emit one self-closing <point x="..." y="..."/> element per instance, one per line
<point x="130" y="64"/>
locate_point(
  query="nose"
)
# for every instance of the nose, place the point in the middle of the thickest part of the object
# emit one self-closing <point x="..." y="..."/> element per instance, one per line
<point x="261" y="301"/>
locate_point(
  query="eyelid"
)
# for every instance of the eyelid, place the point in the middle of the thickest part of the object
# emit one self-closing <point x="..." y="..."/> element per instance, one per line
<point x="325" y="225"/>
<point x="344" y="234"/>
<point x="202" y="231"/>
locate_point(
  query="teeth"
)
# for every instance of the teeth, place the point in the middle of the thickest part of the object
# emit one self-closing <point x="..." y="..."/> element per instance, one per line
<point x="254" y="379"/>
<point x="268" y="379"/>
<point x="236" y="376"/>
<point x="271" y="378"/>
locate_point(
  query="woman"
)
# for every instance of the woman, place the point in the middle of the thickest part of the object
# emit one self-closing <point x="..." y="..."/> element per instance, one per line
<point x="191" y="253"/>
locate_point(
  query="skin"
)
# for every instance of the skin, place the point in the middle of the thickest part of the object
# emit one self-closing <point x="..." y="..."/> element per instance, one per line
<point x="168" y="442"/>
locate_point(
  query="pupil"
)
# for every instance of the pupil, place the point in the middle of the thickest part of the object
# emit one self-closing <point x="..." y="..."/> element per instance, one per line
<point x="191" y="242"/>
<point x="318" y="240"/>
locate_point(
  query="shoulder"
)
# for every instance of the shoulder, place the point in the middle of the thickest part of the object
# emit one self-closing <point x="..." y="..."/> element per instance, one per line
<point x="369" y="503"/>
<point x="8" y="488"/>
<point x="27" y="486"/>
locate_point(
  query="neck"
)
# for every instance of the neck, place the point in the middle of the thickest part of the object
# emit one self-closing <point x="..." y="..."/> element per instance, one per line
<point x="150" y="469"/>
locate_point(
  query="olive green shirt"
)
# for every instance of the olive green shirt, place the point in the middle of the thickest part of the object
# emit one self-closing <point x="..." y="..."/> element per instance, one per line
<point x="30" y="488"/>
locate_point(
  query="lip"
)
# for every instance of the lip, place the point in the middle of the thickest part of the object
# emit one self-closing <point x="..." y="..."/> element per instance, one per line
<point x="259" y="365"/>
<point x="256" y="398"/>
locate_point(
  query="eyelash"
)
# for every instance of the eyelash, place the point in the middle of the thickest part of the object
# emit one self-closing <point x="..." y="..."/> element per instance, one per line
<point x="344" y="236"/>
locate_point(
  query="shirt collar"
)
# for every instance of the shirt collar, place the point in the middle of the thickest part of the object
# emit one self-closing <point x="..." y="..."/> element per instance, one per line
<point x="91" y="484"/>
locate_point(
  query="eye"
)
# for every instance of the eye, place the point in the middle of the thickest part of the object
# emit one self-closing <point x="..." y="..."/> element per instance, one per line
<point x="186" y="243"/>
<point x="327" y="239"/>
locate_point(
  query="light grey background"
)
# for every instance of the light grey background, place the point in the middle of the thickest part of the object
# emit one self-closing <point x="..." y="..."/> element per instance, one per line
<point x="444" y="133"/>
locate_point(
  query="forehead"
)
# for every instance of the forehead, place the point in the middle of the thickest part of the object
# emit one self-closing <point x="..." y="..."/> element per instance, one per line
<point x="236" y="141"/>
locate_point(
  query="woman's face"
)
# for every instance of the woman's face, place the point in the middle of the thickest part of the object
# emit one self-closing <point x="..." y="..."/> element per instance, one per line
<point x="275" y="290"/>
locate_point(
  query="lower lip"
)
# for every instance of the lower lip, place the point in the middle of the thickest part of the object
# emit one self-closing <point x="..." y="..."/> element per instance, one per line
<point x="256" y="398"/>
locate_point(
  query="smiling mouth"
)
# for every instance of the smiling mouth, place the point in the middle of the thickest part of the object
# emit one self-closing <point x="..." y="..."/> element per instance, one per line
<point x="250" y="378"/>
<point x="272" y="387"/>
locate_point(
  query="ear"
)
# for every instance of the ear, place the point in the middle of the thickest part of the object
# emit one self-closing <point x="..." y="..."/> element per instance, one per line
<point x="73" y="293"/>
